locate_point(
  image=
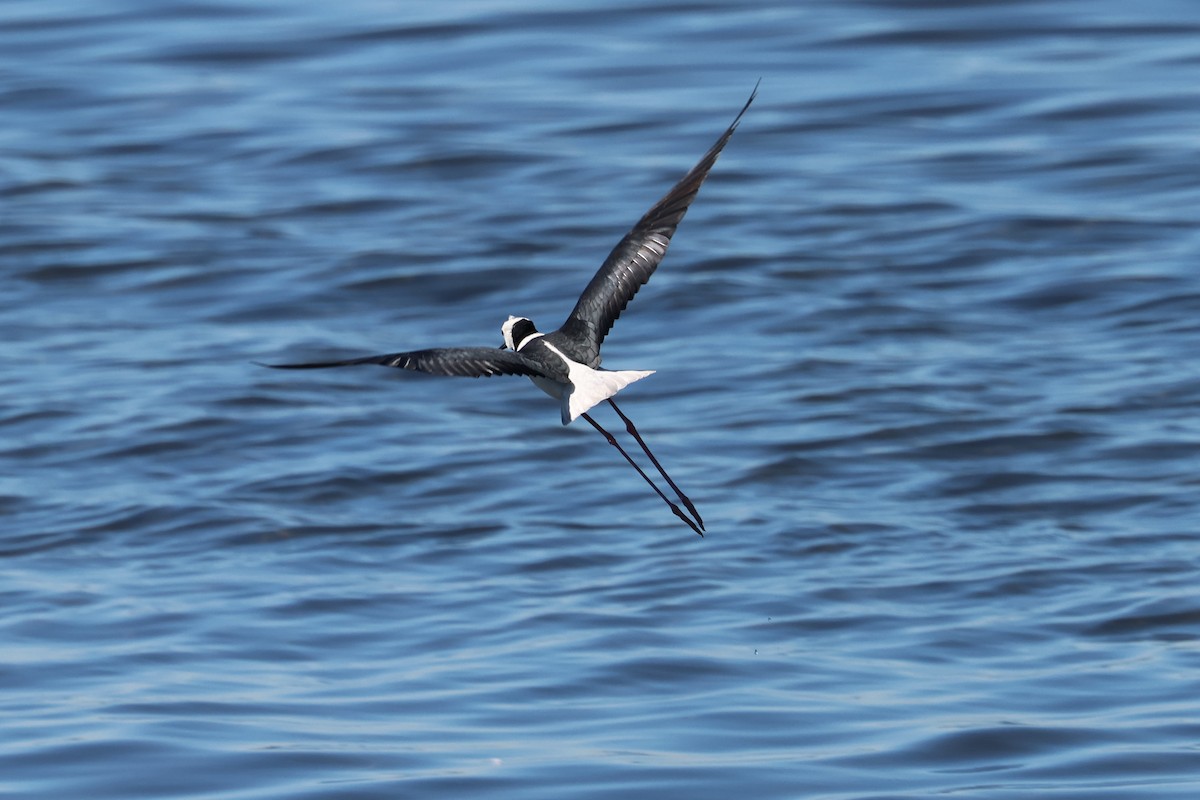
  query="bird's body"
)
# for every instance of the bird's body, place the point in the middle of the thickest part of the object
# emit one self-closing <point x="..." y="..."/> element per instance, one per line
<point x="582" y="387"/>
<point x="565" y="363"/>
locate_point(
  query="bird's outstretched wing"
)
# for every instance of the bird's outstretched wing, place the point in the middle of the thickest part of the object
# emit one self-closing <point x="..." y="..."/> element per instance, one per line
<point x="633" y="261"/>
<point x="466" y="362"/>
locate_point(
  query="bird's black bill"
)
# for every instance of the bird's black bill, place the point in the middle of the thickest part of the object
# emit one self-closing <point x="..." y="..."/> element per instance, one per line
<point x="674" y="508"/>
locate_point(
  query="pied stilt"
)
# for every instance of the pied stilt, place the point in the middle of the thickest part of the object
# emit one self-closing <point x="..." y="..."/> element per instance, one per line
<point x="565" y="363"/>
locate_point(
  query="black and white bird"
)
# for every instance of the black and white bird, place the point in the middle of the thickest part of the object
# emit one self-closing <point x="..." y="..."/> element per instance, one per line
<point x="565" y="363"/>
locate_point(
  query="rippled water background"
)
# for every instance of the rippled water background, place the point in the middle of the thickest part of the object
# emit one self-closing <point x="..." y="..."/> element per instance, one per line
<point x="927" y="352"/>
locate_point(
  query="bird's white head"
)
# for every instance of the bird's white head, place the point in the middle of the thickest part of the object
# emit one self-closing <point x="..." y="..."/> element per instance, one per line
<point x="517" y="331"/>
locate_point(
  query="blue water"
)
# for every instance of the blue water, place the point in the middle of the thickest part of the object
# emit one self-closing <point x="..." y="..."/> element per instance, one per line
<point x="927" y="352"/>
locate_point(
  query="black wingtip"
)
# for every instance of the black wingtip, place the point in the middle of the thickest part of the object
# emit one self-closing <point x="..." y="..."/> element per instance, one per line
<point x="738" y="118"/>
<point x="296" y="366"/>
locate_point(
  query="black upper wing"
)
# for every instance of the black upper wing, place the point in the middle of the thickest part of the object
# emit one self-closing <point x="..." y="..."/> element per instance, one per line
<point x="633" y="261"/>
<point x="467" y="362"/>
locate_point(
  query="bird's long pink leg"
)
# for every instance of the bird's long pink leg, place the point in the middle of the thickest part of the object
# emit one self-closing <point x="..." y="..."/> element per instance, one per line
<point x="645" y="477"/>
<point x="683" y="498"/>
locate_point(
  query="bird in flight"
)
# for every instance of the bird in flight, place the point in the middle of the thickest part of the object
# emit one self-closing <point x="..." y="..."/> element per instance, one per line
<point x="565" y="363"/>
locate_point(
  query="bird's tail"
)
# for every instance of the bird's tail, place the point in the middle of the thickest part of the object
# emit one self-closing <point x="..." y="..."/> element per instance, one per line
<point x="592" y="386"/>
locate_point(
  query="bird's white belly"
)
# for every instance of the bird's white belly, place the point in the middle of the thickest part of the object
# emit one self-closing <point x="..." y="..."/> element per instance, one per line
<point x="586" y="386"/>
<point x="552" y="388"/>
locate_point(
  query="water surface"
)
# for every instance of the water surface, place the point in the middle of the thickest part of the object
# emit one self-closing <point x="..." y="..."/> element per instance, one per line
<point x="926" y="352"/>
